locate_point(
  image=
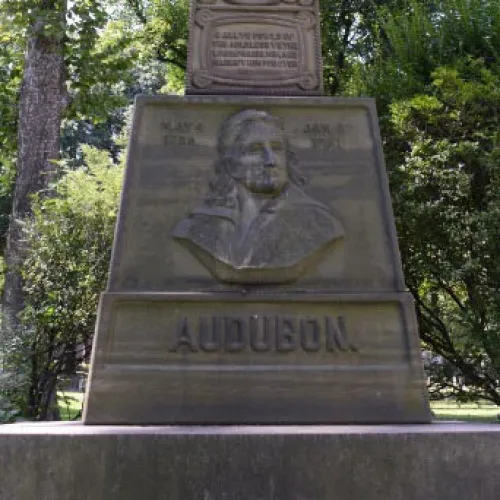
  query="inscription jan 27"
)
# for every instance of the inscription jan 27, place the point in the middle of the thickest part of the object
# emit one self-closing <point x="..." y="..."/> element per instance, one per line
<point x="326" y="136"/>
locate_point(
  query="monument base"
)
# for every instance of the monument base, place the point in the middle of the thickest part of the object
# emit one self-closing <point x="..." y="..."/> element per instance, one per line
<point x="255" y="358"/>
<point x="62" y="461"/>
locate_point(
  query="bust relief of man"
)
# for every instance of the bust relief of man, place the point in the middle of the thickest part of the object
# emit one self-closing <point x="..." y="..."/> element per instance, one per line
<point x="256" y="223"/>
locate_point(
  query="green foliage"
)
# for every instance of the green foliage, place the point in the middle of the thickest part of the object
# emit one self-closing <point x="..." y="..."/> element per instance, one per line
<point x="70" y="405"/>
<point x="351" y="32"/>
<point x="99" y="57"/>
<point x="146" y="77"/>
<point x="161" y="28"/>
<point x="414" y="37"/>
<point x="69" y="239"/>
<point x="11" y="57"/>
<point x="434" y="69"/>
<point x="98" y="52"/>
<point x="446" y="192"/>
<point x="164" y="28"/>
<point x="109" y="60"/>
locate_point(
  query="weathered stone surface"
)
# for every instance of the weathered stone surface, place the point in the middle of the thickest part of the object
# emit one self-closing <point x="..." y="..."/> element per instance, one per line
<point x="256" y="224"/>
<point x="75" y="462"/>
<point x="198" y="358"/>
<point x="254" y="47"/>
<point x="255" y="276"/>
<point x="175" y="157"/>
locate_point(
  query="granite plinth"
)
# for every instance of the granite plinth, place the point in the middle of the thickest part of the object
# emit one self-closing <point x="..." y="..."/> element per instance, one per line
<point x="178" y="372"/>
<point x="61" y="461"/>
<point x="255" y="275"/>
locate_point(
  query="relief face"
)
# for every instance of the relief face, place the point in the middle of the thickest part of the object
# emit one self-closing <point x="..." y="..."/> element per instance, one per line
<point x="257" y="224"/>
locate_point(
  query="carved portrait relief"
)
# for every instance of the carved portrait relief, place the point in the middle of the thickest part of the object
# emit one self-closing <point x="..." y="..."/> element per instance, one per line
<point x="256" y="223"/>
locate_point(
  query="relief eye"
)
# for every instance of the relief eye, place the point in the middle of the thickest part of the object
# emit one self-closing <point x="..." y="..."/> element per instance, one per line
<point x="256" y="147"/>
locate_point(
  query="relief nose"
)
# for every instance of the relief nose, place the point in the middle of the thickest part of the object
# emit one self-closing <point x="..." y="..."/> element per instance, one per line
<point x="268" y="156"/>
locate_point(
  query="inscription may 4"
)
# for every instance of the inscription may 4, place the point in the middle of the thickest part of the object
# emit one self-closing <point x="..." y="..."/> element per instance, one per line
<point x="180" y="133"/>
<point x="262" y="334"/>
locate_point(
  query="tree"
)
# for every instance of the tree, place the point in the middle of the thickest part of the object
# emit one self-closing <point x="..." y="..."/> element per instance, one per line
<point x="65" y="74"/>
<point x="410" y="39"/>
<point x="64" y="270"/>
<point x="162" y="28"/>
<point x="11" y="57"/>
<point x="352" y="34"/>
<point x="447" y="197"/>
<point x="68" y="70"/>
<point x="42" y="100"/>
<point x="436" y="77"/>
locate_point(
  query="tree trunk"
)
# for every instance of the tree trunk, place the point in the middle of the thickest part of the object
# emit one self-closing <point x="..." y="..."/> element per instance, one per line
<point x="41" y="104"/>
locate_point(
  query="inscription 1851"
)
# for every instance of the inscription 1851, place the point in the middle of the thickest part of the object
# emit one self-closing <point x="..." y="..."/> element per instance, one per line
<point x="262" y="334"/>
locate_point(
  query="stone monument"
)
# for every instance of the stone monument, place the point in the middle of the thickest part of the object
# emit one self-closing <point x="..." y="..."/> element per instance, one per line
<point x="255" y="275"/>
<point x="255" y="279"/>
<point x="254" y="47"/>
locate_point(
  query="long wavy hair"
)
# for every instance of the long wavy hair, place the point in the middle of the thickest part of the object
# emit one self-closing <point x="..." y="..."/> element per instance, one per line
<point x="222" y="187"/>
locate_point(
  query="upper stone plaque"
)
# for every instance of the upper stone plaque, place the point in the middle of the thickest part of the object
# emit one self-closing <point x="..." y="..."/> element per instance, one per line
<point x="254" y="47"/>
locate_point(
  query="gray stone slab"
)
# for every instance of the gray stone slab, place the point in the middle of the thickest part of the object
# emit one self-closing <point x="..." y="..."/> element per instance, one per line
<point x="255" y="275"/>
<point x="337" y="181"/>
<point x="217" y="358"/>
<point x="254" y="47"/>
<point x="60" y="461"/>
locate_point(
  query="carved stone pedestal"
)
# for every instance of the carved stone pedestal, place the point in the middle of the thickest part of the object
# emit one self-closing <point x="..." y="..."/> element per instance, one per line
<point x="246" y="358"/>
<point x="255" y="275"/>
<point x="60" y="461"/>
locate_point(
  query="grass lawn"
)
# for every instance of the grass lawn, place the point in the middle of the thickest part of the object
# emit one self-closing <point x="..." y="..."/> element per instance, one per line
<point x="71" y="403"/>
<point x="485" y="413"/>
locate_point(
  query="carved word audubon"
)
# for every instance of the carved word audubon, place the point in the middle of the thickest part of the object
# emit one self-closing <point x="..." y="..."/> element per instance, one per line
<point x="262" y="334"/>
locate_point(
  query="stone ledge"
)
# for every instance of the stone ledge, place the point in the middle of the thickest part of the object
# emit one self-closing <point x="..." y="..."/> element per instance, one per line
<point x="78" y="429"/>
<point x="70" y="461"/>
